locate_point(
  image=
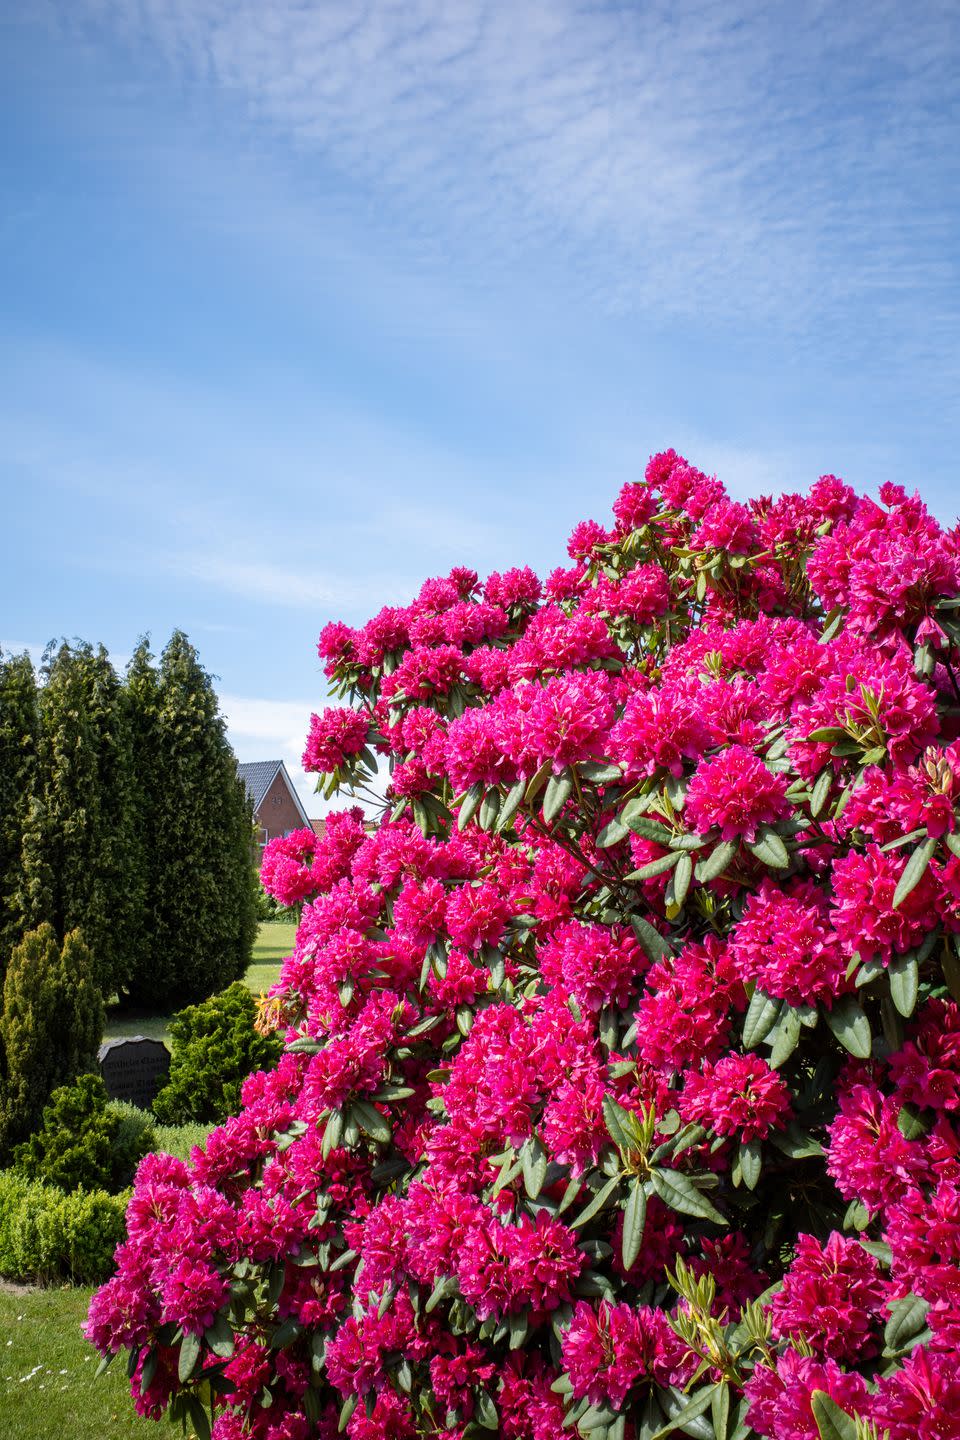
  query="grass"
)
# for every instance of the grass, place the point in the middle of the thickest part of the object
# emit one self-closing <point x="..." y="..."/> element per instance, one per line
<point x="47" y="1373"/>
<point x="274" y="941"/>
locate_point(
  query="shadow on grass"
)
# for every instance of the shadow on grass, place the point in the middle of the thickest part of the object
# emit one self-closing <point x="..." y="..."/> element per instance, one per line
<point x="274" y="941"/>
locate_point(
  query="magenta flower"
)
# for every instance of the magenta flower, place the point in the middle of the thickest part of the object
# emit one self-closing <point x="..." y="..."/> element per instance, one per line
<point x="335" y="736"/>
<point x="739" y="1095"/>
<point x="735" y="791"/>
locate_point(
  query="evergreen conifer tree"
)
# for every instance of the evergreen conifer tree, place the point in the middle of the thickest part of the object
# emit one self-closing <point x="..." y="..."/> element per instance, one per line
<point x="18" y="772"/>
<point x="203" y="916"/>
<point x="50" y="1026"/>
<point x="141" y="699"/>
<point x="80" y="856"/>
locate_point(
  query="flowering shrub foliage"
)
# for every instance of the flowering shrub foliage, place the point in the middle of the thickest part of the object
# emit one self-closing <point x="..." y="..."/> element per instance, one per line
<point x="622" y="1058"/>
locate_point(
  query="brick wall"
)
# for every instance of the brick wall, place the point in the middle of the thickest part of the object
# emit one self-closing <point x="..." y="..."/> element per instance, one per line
<point x="278" y="813"/>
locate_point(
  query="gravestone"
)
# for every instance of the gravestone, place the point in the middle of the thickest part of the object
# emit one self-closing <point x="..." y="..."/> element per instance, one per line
<point x="134" y="1069"/>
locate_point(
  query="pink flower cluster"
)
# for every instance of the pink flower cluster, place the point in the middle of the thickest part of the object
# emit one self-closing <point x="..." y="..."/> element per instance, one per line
<point x="631" y="1019"/>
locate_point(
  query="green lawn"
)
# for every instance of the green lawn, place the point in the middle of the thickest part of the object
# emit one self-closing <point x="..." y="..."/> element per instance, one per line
<point x="47" y="1374"/>
<point x="274" y="941"/>
<point x="273" y="944"/>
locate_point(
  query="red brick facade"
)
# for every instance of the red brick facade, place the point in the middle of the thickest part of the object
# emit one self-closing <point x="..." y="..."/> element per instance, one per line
<point x="277" y="807"/>
<point x="278" y="811"/>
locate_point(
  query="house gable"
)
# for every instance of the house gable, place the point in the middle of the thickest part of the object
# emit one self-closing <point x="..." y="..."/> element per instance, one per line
<point x="277" y="807"/>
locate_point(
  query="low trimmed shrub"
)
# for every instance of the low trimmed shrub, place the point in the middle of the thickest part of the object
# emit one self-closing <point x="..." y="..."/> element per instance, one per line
<point x="74" y="1145"/>
<point x="136" y="1136"/>
<point x="48" y="1236"/>
<point x="214" y="1048"/>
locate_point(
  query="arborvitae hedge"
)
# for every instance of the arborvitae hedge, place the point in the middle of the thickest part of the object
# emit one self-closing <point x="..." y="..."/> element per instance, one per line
<point x="203" y="897"/>
<point x="80" y="858"/>
<point x="121" y="813"/>
<point x="141" y="699"/>
<point x="18" y="772"/>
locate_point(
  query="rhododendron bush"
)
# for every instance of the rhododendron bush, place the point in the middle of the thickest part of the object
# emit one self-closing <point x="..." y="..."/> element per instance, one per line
<point x="622" y="1057"/>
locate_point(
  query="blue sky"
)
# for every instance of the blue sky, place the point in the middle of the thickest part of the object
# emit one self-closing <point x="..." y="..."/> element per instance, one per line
<point x="303" y="301"/>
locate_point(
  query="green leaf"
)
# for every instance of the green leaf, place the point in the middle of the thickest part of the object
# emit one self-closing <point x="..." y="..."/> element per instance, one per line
<point x="199" y="1418"/>
<point x="832" y="626"/>
<point x="469" y="807"/>
<point x="634" y="1220"/>
<point x="914" y="871"/>
<point x="717" y="861"/>
<point x="785" y="1036"/>
<point x="720" y="1411"/>
<point x="598" y="774"/>
<point x="850" y="1025"/>
<point x="558" y="792"/>
<point x="537" y="782"/>
<point x="189" y="1355"/>
<point x="533" y="1159"/>
<point x="612" y="834"/>
<point x="770" y="849"/>
<point x="879" y="1250"/>
<point x="760" y="1018"/>
<point x="679" y="1192"/>
<point x="907" y="1318"/>
<point x="656" y="867"/>
<point x="620" y="1124"/>
<point x="511" y="805"/>
<point x="219" y="1337"/>
<point x="304" y="1046"/>
<point x="820" y="791"/>
<point x="682" y="1415"/>
<point x="285" y="1334"/>
<point x="648" y="829"/>
<point x="446" y="1286"/>
<point x="832" y="1422"/>
<point x="653" y="944"/>
<point x="574" y="1186"/>
<point x="681" y="879"/>
<point x="486" y="1411"/>
<point x="904" y="975"/>
<point x="596" y="1204"/>
<point x="795" y="1143"/>
<point x="371" y="1122"/>
<point x="749" y="1156"/>
<point x="869" y="971"/>
<point x="594" y="1421"/>
<point x="911" y="1123"/>
<point x="148" y="1371"/>
<point x="490" y="809"/>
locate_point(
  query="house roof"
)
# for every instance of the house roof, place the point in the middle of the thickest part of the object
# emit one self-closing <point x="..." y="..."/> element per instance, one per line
<point x="259" y="775"/>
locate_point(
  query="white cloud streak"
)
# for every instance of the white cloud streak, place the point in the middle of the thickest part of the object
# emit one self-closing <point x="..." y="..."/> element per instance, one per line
<point x="789" y="161"/>
<point x="267" y="729"/>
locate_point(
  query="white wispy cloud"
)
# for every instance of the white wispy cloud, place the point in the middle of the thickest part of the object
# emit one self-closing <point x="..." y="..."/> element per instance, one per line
<point x="272" y="729"/>
<point x="698" y="158"/>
